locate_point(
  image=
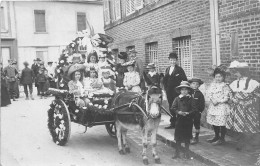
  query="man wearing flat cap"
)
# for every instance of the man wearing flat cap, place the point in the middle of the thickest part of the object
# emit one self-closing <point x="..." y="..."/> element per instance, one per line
<point x="138" y="67"/>
<point x="11" y="74"/>
<point x="174" y="75"/>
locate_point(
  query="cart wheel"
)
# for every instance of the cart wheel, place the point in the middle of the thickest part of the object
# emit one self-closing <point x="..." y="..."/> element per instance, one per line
<point x="59" y="122"/>
<point x="111" y="129"/>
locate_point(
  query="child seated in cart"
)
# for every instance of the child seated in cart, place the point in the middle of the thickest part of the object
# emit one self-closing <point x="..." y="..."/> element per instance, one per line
<point x="75" y="85"/>
<point x="93" y="84"/>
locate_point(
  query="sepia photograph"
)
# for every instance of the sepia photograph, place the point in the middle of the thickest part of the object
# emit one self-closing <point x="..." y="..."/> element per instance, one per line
<point x="130" y="83"/>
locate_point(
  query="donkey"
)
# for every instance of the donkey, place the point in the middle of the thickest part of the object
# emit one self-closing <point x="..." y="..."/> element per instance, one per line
<point x="143" y="113"/>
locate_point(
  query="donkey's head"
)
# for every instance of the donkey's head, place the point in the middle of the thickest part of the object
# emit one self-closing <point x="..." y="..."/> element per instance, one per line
<point x="154" y="101"/>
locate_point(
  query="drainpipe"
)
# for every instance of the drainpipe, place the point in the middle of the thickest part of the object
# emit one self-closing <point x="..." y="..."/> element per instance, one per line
<point x="214" y="32"/>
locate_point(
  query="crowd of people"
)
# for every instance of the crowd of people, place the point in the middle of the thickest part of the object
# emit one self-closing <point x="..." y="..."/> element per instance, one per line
<point x="234" y="106"/>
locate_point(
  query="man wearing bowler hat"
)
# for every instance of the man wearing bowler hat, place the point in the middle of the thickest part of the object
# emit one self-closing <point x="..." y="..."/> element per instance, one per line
<point x="174" y="75"/>
<point x="138" y="67"/>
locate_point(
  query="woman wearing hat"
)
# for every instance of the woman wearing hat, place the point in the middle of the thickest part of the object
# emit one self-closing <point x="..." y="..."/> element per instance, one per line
<point x="184" y="107"/>
<point x="245" y="109"/>
<point x="76" y="84"/>
<point x="121" y="70"/>
<point x="132" y="78"/>
<point x="152" y="78"/>
<point x="218" y="109"/>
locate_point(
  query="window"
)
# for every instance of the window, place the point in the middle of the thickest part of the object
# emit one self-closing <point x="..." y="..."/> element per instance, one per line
<point x="81" y="21"/>
<point x="42" y="53"/>
<point x="40" y="24"/>
<point x="2" y="19"/>
<point x="6" y="55"/>
<point x="106" y="12"/>
<point x="151" y="54"/>
<point x="183" y="47"/>
<point x="132" y="5"/>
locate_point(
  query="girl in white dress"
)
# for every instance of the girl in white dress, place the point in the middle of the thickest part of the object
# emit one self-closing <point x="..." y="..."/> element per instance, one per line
<point x="132" y="78"/>
<point x="218" y="110"/>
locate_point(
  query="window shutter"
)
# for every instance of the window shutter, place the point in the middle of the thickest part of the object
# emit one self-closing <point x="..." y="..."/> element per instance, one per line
<point x="130" y="7"/>
<point x="117" y="9"/>
<point x="40" y="25"/>
<point x="139" y="4"/>
<point x="81" y="21"/>
<point x="106" y="12"/>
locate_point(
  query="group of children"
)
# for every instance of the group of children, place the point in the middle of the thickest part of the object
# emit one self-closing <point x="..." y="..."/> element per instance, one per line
<point x="188" y="107"/>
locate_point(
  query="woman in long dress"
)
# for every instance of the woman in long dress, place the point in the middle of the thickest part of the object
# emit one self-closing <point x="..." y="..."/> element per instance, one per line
<point x="5" y="99"/>
<point x="218" y="110"/>
<point x="245" y="108"/>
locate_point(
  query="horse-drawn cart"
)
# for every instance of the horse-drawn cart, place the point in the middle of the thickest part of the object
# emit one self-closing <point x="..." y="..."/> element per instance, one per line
<point x="63" y="111"/>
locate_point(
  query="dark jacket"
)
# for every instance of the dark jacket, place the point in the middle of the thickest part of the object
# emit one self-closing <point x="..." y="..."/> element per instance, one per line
<point x="183" y="125"/>
<point x="41" y="78"/>
<point x="170" y="82"/>
<point x="121" y="70"/>
<point x="27" y="76"/>
<point x="35" y="69"/>
<point x="198" y="99"/>
<point x="11" y="73"/>
<point x="152" y="80"/>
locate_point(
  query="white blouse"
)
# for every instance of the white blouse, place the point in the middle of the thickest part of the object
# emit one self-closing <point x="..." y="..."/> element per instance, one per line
<point x="242" y="83"/>
<point x="131" y="78"/>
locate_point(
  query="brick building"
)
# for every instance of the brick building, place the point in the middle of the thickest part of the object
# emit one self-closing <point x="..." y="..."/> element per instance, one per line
<point x="203" y="32"/>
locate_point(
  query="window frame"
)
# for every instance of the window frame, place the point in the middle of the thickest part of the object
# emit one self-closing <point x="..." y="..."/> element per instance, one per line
<point x="150" y="58"/>
<point x="179" y="50"/>
<point x="77" y="27"/>
<point x="45" y="16"/>
<point x="4" y="17"/>
<point x="108" y="12"/>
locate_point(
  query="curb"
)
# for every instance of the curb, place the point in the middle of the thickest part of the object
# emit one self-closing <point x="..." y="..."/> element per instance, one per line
<point x="193" y="154"/>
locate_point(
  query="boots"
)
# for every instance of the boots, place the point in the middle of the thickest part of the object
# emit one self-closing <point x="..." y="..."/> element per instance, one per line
<point x="214" y="139"/>
<point x="187" y="150"/>
<point x="195" y="139"/>
<point x="177" y="152"/>
<point x="221" y="141"/>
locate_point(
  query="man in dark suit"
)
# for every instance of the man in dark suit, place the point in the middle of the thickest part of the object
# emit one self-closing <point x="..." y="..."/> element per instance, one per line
<point x="27" y="78"/>
<point x="11" y="74"/>
<point x="174" y="75"/>
<point x="35" y="67"/>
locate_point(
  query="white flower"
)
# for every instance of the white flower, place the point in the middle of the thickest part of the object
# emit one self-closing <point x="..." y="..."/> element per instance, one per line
<point x="106" y="101"/>
<point x="105" y="106"/>
<point x="58" y="71"/>
<point x="61" y="85"/>
<point x="100" y="106"/>
<point x="90" y="103"/>
<point x="96" y="105"/>
<point x="61" y="61"/>
<point x="76" y="110"/>
<point x="84" y="108"/>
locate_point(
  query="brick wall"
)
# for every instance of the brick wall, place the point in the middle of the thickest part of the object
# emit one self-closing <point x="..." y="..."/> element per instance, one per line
<point x="239" y="23"/>
<point x="167" y="20"/>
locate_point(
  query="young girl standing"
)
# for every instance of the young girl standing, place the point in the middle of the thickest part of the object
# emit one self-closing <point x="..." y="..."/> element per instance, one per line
<point x="184" y="107"/>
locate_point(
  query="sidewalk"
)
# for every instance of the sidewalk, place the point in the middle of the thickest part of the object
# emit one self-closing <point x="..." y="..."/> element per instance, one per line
<point x="225" y="155"/>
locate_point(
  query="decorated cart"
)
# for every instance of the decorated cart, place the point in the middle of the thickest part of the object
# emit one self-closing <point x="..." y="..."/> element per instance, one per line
<point x="63" y="111"/>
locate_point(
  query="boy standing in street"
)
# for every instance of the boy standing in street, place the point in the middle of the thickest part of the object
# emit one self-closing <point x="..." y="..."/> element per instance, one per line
<point x="200" y="104"/>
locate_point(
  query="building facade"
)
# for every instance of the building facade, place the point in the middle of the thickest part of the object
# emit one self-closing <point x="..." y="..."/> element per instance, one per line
<point x="203" y="33"/>
<point x="44" y="28"/>
<point x="8" y="33"/>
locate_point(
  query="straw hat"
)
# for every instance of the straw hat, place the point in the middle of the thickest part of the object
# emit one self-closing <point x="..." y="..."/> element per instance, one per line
<point x="129" y="63"/>
<point x="150" y="66"/>
<point x="195" y="80"/>
<point x="184" y="84"/>
<point x="75" y="67"/>
<point x="236" y="64"/>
